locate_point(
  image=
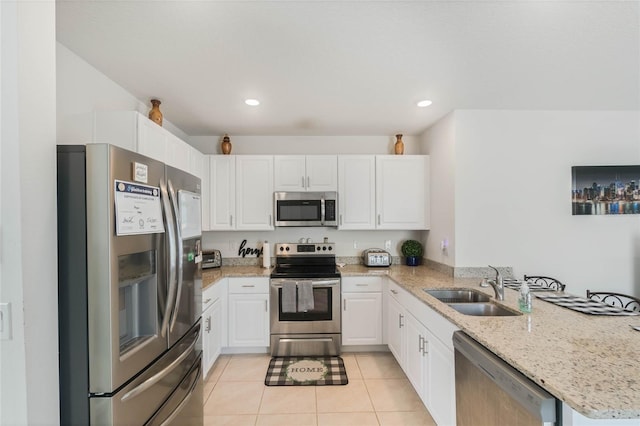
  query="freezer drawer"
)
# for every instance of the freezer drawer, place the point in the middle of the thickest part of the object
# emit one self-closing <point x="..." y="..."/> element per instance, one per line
<point x="184" y="406"/>
<point x="138" y="401"/>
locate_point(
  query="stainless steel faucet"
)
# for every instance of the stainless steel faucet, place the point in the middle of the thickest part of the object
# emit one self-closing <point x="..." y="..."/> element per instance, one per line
<point x="497" y="284"/>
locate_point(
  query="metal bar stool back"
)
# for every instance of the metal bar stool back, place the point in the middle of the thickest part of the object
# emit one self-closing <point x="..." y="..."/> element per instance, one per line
<point x="547" y="282"/>
<point x="624" y="301"/>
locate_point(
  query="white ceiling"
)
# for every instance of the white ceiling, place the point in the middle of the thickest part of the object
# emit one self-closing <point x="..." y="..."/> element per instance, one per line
<point x="357" y="67"/>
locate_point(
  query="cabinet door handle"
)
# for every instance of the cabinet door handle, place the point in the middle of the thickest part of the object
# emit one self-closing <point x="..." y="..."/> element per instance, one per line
<point x="425" y="347"/>
<point x="344" y="304"/>
<point x="341" y="220"/>
<point x="308" y="182"/>
<point x="207" y="300"/>
<point x="231" y="220"/>
<point x="400" y="324"/>
<point x="266" y="306"/>
<point x="362" y="285"/>
<point x="394" y="291"/>
<point x="302" y="181"/>
<point x="420" y="344"/>
<point x="248" y="285"/>
<point x="379" y="219"/>
<point x="208" y="328"/>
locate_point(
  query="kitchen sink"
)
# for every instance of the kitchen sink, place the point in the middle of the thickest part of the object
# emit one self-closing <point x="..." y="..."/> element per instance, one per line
<point x="457" y="295"/>
<point x="485" y="309"/>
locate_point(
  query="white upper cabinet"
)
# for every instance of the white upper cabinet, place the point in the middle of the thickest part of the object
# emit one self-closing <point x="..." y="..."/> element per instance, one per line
<point x="383" y="192"/>
<point x="305" y="173"/>
<point x="200" y="168"/>
<point x="254" y="192"/>
<point x="222" y="190"/>
<point x="402" y="192"/>
<point x="241" y="188"/>
<point x="290" y="172"/>
<point x="152" y="139"/>
<point x="356" y="191"/>
<point x="177" y="153"/>
<point x="130" y="130"/>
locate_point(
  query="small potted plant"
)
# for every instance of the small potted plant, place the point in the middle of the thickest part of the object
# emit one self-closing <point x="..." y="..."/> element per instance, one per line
<point x="412" y="251"/>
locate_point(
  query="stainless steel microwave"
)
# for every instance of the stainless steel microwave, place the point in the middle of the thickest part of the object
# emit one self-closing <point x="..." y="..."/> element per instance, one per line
<point x="306" y="208"/>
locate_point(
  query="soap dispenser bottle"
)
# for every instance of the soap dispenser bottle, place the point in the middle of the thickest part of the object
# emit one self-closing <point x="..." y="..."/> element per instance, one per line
<point x="524" y="299"/>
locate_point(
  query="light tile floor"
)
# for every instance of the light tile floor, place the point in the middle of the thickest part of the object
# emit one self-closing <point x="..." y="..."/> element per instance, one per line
<point x="378" y="393"/>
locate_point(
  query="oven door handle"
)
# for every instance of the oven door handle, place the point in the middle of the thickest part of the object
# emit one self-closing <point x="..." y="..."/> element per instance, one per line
<point x="325" y="283"/>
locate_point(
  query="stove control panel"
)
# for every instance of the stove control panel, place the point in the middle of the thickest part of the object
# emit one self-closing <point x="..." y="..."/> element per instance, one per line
<point x="305" y="249"/>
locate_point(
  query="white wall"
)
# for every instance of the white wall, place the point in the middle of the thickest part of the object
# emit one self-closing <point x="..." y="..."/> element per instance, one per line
<point x="348" y="243"/>
<point x="83" y="89"/>
<point x="439" y="143"/>
<point x="29" y="376"/>
<point x="513" y="188"/>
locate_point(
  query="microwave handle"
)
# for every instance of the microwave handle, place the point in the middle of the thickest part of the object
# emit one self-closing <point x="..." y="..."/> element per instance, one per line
<point x="322" y="211"/>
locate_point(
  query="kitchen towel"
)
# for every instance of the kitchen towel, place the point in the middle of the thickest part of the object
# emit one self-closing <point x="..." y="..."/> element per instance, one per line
<point x="305" y="296"/>
<point x="289" y="296"/>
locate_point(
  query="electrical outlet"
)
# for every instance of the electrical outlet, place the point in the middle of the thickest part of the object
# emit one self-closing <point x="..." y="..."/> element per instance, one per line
<point x="444" y="244"/>
<point x="387" y="245"/>
<point x="355" y="244"/>
<point x="5" y="321"/>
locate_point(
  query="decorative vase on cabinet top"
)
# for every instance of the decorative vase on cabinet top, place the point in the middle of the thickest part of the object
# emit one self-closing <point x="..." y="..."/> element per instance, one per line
<point x="155" y="114"/>
<point x="226" y="145"/>
<point x="399" y="146"/>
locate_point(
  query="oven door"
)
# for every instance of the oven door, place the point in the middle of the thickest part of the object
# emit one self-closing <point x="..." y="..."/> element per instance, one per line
<point x="323" y="318"/>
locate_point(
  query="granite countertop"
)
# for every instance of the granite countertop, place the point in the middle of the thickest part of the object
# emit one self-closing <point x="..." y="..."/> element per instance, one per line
<point x="590" y="362"/>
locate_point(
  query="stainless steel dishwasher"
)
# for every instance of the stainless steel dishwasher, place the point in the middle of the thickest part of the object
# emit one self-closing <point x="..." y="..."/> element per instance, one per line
<point x="491" y="392"/>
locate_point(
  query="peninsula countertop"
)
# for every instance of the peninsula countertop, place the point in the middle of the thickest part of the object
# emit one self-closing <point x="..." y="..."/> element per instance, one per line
<point x="590" y="362"/>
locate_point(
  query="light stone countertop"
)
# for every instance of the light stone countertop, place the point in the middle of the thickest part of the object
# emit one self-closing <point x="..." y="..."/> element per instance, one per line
<point x="590" y="362"/>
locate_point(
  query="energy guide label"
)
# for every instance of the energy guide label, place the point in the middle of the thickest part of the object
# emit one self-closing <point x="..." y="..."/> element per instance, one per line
<point x="138" y="209"/>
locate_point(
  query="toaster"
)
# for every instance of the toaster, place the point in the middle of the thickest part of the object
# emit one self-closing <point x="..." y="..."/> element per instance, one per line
<point x="376" y="257"/>
<point x="211" y="259"/>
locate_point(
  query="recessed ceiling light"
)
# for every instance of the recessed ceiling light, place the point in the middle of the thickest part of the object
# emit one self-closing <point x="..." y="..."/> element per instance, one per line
<point x="424" y="103"/>
<point x="252" y="102"/>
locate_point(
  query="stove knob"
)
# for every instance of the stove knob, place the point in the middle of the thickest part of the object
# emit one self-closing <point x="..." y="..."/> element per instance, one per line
<point x="330" y="248"/>
<point x="324" y="248"/>
<point x="281" y="248"/>
<point x="287" y="248"/>
<point x="318" y="248"/>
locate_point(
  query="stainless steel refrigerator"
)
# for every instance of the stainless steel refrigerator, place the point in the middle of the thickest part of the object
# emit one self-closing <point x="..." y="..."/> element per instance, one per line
<point x="129" y="289"/>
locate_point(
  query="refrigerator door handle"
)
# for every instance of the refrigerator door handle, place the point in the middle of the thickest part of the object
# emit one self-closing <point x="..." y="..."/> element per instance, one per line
<point x="186" y="398"/>
<point x="178" y="260"/>
<point x="161" y="374"/>
<point x="172" y="255"/>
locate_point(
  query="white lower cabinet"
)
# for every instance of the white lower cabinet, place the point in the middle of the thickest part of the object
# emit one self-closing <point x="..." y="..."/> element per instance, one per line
<point x="439" y="394"/>
<point x="214" y="300"/>
<point x="420" y="340"/>
<point x="361" y="311"/>
<point x="396" y="320"/>
<point x="248" y="312"/>
<point x="415" y="364"/>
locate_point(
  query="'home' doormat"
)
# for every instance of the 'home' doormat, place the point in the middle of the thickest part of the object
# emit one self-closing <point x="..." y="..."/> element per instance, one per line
<point x="306" y="371"/>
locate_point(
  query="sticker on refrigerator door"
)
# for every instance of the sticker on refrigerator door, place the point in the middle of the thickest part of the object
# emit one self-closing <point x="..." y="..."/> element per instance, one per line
<point x="140" y="172"/>
<point x="138" y="209"/>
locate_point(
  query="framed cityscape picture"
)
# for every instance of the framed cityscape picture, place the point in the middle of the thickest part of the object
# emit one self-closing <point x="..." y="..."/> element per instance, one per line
<point x="605" y="190"/>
